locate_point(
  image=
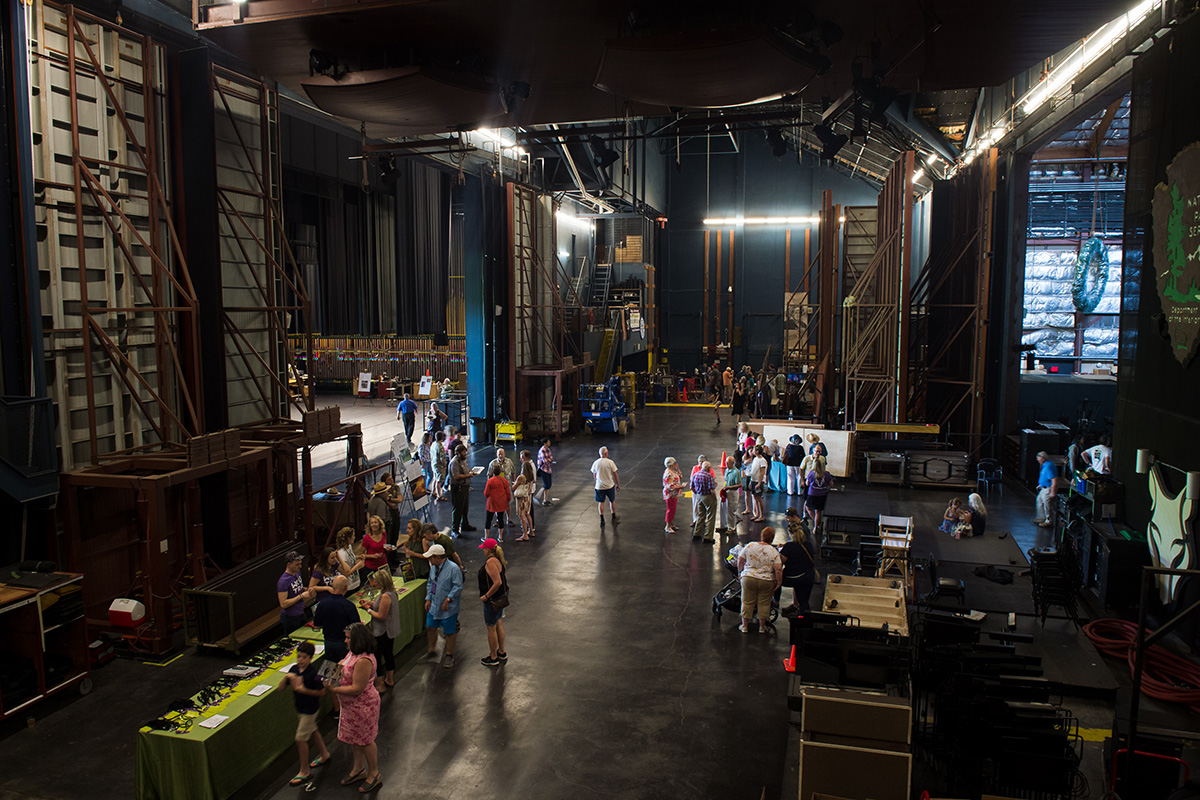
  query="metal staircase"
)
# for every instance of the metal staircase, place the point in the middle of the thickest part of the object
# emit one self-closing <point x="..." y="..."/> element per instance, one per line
<point x="604" y="363"/>
<point x="601" y="280"/>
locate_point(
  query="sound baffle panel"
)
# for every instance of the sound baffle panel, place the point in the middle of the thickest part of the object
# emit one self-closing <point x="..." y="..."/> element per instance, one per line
<point x="106" y="226"/>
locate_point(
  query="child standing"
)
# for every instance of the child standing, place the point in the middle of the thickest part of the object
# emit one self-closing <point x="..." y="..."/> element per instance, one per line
<point x="307" y="687"/>
<point x="523" y="491"/>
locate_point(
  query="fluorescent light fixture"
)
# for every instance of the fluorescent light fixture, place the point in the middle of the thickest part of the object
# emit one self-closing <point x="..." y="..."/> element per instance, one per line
<point x="563" y="254"/>
<point x="918" y="175"/>
<point x="582" y="224"/>
<point x="1091" y="49"/>
<point x="929" y="159"/>
<point x="498" y="138"/>
<point x="762" y="221"/>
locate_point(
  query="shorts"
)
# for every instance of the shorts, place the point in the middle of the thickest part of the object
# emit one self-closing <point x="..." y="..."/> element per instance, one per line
<point x="490" y="615"/>
<point x="609" y="494"/>
<point x="547" y="479"/>
<point x="306" y="727"/>
<point x="449" y="625"/>
<point x="815" y="501"/>
<point x="756" y="488"/>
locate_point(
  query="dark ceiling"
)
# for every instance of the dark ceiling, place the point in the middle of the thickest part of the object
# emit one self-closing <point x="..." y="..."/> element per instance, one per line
<point x="434" y="65"/>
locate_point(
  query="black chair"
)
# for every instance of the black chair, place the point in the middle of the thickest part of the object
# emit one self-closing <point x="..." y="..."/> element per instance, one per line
<point x="950" y="587"/>
<point x="989" y="471"/>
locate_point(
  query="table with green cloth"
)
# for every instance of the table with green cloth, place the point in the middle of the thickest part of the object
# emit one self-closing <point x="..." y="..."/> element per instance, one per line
<point x="208" y="763"/>
<point x="411" y="595"/>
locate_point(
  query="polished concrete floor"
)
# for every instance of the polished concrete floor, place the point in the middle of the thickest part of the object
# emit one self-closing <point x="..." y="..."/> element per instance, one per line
<point x="620" y="681"/>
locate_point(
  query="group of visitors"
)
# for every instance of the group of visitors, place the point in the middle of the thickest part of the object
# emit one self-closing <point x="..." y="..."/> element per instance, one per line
<point x="365" y="652"/>
<point x="767" y="393"/>
<point x="765" y="569"/>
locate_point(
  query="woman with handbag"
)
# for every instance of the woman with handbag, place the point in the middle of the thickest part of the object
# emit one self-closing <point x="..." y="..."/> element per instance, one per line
<point x="799" y="571"/>
<point x="493" y="593"/>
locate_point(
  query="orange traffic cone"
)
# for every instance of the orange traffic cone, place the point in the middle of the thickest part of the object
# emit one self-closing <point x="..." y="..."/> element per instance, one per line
<point x="722" y="460"/>
<point x="790" y="663"/>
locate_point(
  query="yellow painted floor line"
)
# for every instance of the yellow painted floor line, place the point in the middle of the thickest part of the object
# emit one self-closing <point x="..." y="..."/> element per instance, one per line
<point x="163" y="663"/>
<point x="684" y="405"/>
<point x="1095" y="734"/>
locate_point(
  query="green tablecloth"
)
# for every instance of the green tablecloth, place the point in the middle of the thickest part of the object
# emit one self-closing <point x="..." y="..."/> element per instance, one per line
<point x="208" y="763"/>
<point x="412" y="616"/>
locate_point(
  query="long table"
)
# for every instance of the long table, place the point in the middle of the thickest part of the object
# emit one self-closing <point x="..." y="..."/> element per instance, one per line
<point x="213" y="763"/>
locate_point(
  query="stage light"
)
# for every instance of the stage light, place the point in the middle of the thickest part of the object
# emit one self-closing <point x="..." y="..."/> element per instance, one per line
<point x="929" y="159"/>
<point x="797" y="220"/>
<point x="498" y="138"/>
<point x="602" y="155"/>
<point x="777" y="143"/>
<point x="1144" y="460"/>
<point x="388" y="174"/>
<point x="321" y="62"/>
<point x="920" y="173"/>
<point x="831" y="142"/>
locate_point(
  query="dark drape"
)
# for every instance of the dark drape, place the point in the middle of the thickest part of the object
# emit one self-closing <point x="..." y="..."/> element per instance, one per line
<point x="423" y="233"/>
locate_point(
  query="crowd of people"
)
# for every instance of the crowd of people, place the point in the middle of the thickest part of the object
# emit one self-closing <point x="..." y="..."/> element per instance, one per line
<point x="763" y="394"/>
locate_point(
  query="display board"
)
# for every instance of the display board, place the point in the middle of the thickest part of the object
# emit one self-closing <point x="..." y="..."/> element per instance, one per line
<point x="364" y="384"/>
<point x="840" y="444"/>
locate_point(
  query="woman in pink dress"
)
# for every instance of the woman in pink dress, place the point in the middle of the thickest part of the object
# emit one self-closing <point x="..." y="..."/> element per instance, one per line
<point x="359" y="723"/>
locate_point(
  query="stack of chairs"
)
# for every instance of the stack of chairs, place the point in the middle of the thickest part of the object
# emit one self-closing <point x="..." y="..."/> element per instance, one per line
<point x="1055" y="583"/>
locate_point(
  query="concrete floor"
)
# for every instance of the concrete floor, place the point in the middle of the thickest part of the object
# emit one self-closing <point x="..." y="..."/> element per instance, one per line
<point x="620" y="680"/>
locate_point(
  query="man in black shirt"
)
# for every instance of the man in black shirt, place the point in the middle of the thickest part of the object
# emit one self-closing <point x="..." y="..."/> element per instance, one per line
<point x="334" y="614"/>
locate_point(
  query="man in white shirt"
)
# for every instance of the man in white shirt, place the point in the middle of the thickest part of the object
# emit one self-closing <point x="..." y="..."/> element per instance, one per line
<point x="604" y="470"/>
<point x="1098" y="457"/>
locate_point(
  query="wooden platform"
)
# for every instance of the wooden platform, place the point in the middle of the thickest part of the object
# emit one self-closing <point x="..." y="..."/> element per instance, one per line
<point x="1069" y="659"/>
<point x="874" y="601"/>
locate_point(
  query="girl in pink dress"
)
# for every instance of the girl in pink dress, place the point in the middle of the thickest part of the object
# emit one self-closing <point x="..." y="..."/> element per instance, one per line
<point x="359" y="723"/>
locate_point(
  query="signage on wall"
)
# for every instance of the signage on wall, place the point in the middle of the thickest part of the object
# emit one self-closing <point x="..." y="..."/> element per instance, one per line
<point x="1167" y="533"/>
<point x="1176" y="210"/>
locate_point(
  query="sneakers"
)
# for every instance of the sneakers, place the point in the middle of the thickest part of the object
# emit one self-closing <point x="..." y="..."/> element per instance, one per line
<point x="488" y="661"/>
<point x="448" y="661"/>
<point x="762" y="627"/>
<point x="601" y="520"/>
<point x="469" y="528"/>
<point x="743" y="628"/>
<point x="616" y="517"/>
<point x="500" y="654"/>
<point x="668" y="529"/>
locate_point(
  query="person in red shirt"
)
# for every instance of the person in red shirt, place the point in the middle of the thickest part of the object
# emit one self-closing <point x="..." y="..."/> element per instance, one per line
<point x="374" y="542"/>
<point x="497" y="495"/>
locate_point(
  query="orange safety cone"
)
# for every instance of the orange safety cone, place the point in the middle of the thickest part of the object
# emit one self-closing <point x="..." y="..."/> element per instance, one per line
<point x="723" y="460"/>
<point x="790" y="663"/>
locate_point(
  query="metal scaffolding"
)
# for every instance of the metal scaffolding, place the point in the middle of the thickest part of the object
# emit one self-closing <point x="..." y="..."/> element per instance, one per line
<point x="262" y="286"/>
<point x="950" y="306"/>
<point x="809" y="312"/>
<point x="876" y="306"/>
<point x="121" y="343"/>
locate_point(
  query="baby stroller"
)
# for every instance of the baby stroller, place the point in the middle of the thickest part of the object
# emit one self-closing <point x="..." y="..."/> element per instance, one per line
<point x="730" y="596"/>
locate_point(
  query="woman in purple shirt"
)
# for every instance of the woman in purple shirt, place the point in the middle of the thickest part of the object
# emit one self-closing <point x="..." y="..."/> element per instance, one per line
<point x="819" y="481"/>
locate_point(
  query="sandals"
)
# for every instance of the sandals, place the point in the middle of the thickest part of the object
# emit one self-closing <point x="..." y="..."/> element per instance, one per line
<point x="371" y="786"/>
<point x="354" y="777"/>
<point x="320" y="762"/>
<point x="522" y="539"/>
<point x="300" y="780"/>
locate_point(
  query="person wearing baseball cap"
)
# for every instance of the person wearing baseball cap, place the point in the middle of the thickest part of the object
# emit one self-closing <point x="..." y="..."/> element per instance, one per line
<point x="443" y="590"/>
<point x="291" y="592"/>
<point x="493" y="588"/>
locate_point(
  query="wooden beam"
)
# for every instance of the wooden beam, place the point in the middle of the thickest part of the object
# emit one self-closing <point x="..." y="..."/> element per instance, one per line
<point x="1102" y="129"/>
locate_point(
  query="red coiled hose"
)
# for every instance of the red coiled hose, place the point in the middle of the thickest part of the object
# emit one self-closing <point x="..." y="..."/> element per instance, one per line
<point x="1165" y="676"/>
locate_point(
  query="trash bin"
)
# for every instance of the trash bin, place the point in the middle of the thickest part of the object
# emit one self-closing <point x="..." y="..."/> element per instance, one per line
<point x="481" y="430"/>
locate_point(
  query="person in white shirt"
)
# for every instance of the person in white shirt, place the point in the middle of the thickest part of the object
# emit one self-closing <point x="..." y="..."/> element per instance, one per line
<point x="758" y="484"/>
<point x="604" y="470"/>
<point x="761" y="571"/>
<point x="1098" y="457"/>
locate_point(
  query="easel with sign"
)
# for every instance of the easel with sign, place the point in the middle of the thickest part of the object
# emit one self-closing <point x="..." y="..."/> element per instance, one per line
<point x="364" y="387"/>
<point x="410" y="480"/>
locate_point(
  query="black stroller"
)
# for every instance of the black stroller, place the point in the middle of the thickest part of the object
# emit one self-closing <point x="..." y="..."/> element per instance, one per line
<point x="730" y="596"/>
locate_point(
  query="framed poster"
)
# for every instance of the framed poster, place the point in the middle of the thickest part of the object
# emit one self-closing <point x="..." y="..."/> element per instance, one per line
<point x="425" y="388"/>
